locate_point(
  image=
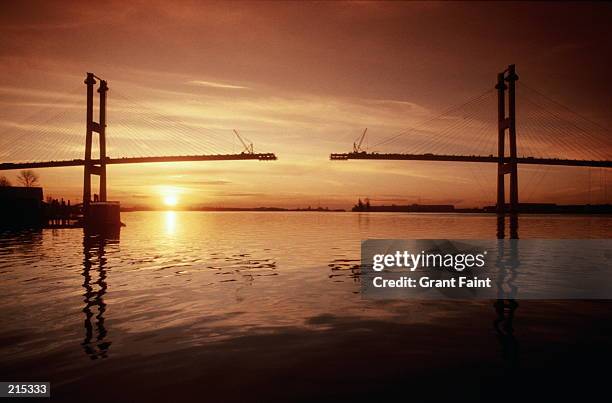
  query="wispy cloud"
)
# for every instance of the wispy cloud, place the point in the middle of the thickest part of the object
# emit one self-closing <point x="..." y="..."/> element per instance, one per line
<point x="213" y="84"/>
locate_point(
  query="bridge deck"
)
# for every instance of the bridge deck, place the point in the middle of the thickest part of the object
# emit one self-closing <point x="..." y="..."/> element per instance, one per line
<point x="139" y="160"/>
<point x="469" y="158"/>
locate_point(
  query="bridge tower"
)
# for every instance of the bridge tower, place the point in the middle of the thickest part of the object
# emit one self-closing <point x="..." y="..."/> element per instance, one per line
<point x="507" y="165"/>
<point x="91" y="168"/>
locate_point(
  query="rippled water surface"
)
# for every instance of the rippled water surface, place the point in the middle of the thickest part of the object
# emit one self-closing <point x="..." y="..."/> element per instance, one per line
<point x="179" y="287"/>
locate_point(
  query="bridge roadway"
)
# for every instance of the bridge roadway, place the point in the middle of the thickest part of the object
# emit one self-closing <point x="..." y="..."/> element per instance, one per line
<point x="139" y="160"/>
<point x="470" y="158"/>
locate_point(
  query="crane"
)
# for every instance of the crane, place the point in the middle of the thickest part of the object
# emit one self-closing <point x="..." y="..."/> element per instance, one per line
<point x="357" y="144"/>
<point x="248" y="147"/>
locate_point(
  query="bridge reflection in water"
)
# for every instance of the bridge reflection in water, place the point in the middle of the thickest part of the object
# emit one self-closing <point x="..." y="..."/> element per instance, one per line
<point x="95" y="343"/>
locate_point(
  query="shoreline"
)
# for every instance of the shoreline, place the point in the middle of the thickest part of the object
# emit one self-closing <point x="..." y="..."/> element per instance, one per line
<point x="257" y="210"/>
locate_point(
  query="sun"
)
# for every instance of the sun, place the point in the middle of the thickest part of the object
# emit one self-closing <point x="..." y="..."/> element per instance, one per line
<point x="170" y="200"/>
<point x="170" y="196"/>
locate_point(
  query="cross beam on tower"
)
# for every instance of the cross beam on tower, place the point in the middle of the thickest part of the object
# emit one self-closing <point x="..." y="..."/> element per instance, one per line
<point x="91" y="167"/>
<point x="507" y="165"/>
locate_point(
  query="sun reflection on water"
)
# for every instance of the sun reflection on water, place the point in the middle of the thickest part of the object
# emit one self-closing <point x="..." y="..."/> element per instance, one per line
<point x="170" y="217"/>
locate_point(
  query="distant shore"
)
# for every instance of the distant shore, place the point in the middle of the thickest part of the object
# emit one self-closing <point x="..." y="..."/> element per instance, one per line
<point x="279" y="209"/>
<point x="524" y="208"/>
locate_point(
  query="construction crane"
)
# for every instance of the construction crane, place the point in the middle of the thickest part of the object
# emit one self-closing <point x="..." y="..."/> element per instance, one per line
<point x="357" y="144"/>
<point x="248" y="147"/>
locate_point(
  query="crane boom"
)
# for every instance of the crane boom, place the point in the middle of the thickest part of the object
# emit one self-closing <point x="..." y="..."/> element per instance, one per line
<point x="357" y="144"/>
<point x="248" y="147"/>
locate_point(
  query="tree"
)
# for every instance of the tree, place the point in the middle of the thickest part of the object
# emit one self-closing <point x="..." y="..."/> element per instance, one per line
<point x="28" y="178"/>
<point x="4" y="182"/>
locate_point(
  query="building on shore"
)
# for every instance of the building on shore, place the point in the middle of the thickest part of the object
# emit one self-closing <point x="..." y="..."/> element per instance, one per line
<point x="411" y="208"/>
<point x="524" y="208"/>
<point x="21" y="207"/>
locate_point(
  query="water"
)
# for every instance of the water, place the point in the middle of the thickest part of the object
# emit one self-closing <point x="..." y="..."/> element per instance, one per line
<point x="236" y="301"/>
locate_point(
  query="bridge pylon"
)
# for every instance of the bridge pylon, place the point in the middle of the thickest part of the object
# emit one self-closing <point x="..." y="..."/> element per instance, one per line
<point x="507" y="165"/>
<point x="99" y="127"/>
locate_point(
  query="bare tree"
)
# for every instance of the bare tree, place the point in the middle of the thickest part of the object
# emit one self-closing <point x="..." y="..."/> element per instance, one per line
<point x="27" y="178"/>
<point x="4" y="182"/>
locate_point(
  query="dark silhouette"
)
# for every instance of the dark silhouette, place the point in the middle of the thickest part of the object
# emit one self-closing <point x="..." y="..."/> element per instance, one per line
<point x="523" y="208"/>
<point x="28" y="178"/>
<point x="21" y="207"/>
<point x="412" y="208"/>
<point x="59" y="213"/>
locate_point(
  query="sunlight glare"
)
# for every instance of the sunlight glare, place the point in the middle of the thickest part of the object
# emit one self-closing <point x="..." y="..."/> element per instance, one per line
<point x="170" y="200"/>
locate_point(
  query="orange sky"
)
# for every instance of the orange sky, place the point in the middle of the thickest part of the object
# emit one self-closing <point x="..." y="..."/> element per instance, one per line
<point x="298" y="79"/>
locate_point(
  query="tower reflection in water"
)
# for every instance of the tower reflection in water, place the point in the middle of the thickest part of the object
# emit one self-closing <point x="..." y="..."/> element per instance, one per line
<point x="505" y="306"/>
<point x="94" y="274"/>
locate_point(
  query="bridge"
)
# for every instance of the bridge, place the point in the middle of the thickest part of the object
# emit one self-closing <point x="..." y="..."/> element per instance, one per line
<point x="545" y="129"/>
<point x="138" y="160"/>
<point x="460" y="134"/>
<point x="196" y="139"/>
<point x="469" y="158"/>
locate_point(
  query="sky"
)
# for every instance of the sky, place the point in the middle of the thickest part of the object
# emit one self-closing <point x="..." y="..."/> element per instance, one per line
<point x="302" y="80"/>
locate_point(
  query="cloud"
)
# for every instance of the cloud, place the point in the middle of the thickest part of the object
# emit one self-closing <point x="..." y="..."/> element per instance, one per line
<point x="201" y="182"/>
<point x="213" y="84"/>
<point x="241" y="194"/>
<point x="39" y="93"/>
